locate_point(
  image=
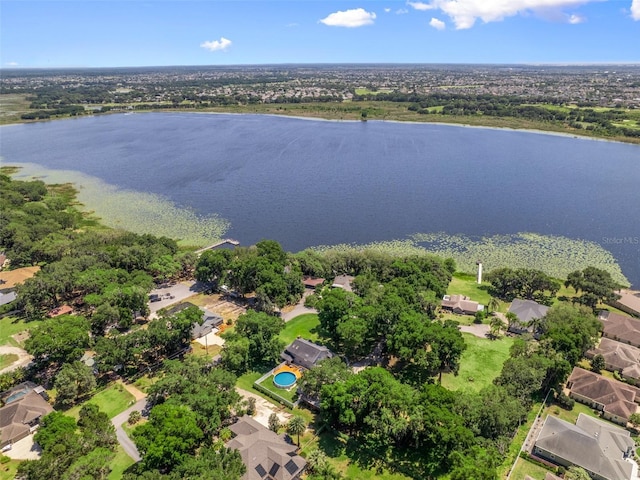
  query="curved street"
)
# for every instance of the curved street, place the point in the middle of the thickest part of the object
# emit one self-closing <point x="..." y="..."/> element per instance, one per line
<point x="127" y="444"/>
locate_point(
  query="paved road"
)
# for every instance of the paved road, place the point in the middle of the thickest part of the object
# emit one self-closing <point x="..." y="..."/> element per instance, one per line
<point x="124" y="440"/>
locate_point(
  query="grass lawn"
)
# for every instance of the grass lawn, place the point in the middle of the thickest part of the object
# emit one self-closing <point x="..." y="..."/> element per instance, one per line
<point x="286" y="394"/>
<point x="8" y="470"/>
<point x="7" y="359"/>
<point x="119" y="464"/>
<point x="335" y="447"/>
<point x="200" y="350"/>
<point x="524" y="467"/>
<point x="464" y="284"/>
<point x="305" y="326"/>
<point x="113" y="400"/>
<point x="481" y="362"/>
<point x="144" y="382"/>
<point x="10" y="325"/>
<point x="572" y="415"/>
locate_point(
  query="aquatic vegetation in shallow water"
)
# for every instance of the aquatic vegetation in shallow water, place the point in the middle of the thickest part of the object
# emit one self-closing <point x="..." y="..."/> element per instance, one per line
<point x="136" y="212"/>
<point x="554" y="255"/>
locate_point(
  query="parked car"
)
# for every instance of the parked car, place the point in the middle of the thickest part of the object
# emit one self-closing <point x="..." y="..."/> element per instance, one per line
<point x="154" y="297"/>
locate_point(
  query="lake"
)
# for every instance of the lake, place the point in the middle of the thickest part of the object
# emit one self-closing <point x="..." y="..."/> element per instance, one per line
<point x="310" y="182"/>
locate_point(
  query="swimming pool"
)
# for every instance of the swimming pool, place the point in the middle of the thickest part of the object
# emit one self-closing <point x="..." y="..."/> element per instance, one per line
<point x="284" y="379"/>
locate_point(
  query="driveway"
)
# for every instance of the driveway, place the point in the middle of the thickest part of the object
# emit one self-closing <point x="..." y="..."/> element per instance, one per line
<point x="128" y="446"/>
<point x="25" y="449"/>
<point x="179" y="292"/>
<point x="299" y="309"/>
<point x="479" y="330"/>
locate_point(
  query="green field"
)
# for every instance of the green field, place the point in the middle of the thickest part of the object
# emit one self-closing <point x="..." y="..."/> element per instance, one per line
<point x="10" y="325"/>
<point x="465" y="284"/>
<point x="119" y="464"/>
<point x="7" y="359"/>
<point x="481" y="362"/>
<point x="524" y="467"/>
<point x="112" y="400"/>
<point x="305" y="326"/>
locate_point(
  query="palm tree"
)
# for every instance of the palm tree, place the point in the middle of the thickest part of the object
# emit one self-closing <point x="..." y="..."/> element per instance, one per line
<point x="296" y="426"/>
<point x="494" y="304"/>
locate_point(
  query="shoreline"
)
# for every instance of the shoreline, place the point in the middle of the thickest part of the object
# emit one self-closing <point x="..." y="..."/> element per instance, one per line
<point x="576" y="136"/>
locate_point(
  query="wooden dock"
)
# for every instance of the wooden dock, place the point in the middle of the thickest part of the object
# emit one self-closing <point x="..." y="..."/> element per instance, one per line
<point x="227" y="241"/>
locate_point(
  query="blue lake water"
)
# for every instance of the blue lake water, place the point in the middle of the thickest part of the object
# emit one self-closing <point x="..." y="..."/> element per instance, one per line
<point x="306" y="182"/>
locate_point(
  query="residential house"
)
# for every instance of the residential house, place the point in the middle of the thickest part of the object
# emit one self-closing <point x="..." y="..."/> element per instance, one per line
<point x="210" y="321"/>
<point x="616" y="400"/>
<point x="461" y="305"/>
<point x="305" y="353"/>
<point x="628" y="302"/>
<point x="527" y="311"/>
<point x="344" y="282"/>
<point x="619" y="357"/>
<point x="312" y="282"/>
<point x="266" y="454"/>
<point x="23" y="408"/>
<point x="600" y="448"/>
<point x="620" y="327"/>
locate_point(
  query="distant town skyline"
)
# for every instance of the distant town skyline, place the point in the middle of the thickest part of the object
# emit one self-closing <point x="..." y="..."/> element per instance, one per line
<point x="52" y="34"/>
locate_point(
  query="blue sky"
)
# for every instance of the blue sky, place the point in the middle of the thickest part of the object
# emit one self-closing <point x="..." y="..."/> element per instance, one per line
<point x="211" y="32"/>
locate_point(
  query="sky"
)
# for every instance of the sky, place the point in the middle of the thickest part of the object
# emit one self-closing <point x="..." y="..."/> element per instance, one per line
<point x="101" y="33"/>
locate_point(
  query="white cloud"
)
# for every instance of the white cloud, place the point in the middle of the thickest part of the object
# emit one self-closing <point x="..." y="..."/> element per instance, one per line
<point x="387" y="10"/>
<point x="437" y="24"/>
<point x="357" y="17"/>
<point x="12" y="64"/>
<point x="635" y="9"/>
<point x="576" y="19"/>
<point x="216" y="45"/>
<point x="421" y="6"/>
<point x="401" y="11"/>
<point x="290" y="25"/>
<point x="465" y="13"/>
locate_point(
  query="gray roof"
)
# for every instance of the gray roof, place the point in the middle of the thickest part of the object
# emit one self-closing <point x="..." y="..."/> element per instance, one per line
<point x="343" y="282"/>
<point x="592" y="444"/>
<point x="210" y="320"/>
<point x="7" y="297"/>
<point x="265" y="453"/>
<point x="527" y="310"/>
<point x="305" y="353"/>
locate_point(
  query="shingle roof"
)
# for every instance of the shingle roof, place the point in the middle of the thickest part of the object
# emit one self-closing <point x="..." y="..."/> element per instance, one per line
<point x="618" y="398"/>
<point x="461" y="303"/>
<point x="527" y="310"/>
<point x="618" y="356"/>
<point x="305" y="353"/>
<point x="591" y="444"/>
<point x="620" y="327"/>
<point x="265" y="454"/>
<point x="16" y="416"/>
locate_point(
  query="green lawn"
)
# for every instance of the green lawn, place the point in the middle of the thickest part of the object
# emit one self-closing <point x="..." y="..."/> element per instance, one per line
<point x="8" y="469"/>
<point x="7" y="359"/>
<point x="286" y="394"/>
<point x="10" y="325"/>
<point x="572" y="415"/>
<point x="113" y="400"/>
<point x="464" y="284"/>
<point x="481" y="362"/>
<point x="524" y="467"/>
<point x="119" y="464"/>
<point x="305" y="326"/>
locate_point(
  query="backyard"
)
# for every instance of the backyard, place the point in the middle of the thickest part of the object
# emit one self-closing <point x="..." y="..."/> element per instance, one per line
<point x="481" y="362"/>
<point x="305" y="326"/>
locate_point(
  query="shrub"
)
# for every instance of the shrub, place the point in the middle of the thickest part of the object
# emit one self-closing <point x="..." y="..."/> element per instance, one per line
<point x="565" y="401"/>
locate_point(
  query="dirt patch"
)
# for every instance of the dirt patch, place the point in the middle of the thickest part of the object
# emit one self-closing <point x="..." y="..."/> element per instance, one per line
<point x="264" y="409"/>
<point x="23" y="357"/>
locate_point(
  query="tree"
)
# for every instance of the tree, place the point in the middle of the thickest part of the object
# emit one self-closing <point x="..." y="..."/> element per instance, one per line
<point x="576" y="473"/>
<point x="274" y="422"/>
<point x="168" y="438"/>
<point x="59" y="340"/>
<point x="594" y="285"/>
<point x="296" y="426"/>
<point x="211" y="462"/>
<point x="497" y="325"/>
<point x="598" y="363"/>
<point x="634" y="420"/>
<point x="251" y="406"/>
<point x="327" y="371"/>
<point x="260" y="331"/>
<point x="526" y="283"/>
<point x="134" y="417"/>
<point x="212" y="265"/>
<point x="73" y="382"/>
<point x="494" y="304"/>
